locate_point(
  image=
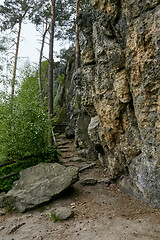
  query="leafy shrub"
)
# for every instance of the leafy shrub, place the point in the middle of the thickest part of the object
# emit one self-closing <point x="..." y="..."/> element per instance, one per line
<point x="24" y="126"/>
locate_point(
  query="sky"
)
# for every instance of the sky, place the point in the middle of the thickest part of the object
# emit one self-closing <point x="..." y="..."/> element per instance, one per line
<point x="28" y="48"/>
<point x="29" y="44"/>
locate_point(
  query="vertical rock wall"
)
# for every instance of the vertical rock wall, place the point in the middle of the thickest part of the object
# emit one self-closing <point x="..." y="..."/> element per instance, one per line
<point x="120" y="90"/>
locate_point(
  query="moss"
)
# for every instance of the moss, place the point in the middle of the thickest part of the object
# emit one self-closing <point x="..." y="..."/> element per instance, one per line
<point x="54" y="217"/>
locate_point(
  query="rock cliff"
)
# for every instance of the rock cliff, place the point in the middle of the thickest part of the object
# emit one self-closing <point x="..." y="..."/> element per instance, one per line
<point x="118" y="86"/>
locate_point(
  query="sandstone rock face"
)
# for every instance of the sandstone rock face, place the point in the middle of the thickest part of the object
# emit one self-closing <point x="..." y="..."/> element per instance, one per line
<point x="39" y="184"/>
<point x="120" y="83"/>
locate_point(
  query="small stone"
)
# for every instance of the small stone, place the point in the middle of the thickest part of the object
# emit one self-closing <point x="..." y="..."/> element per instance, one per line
<point x="105" y="181"/>
<point x="72" y="207"/>
<point x="72" y="204"/>
<point x="62" y="213"/>
<point x="15" y="228"/>
<point x="89" y="181"/>
<point x="2" y="227"/>
<point x="2" y="212"/>
<point x="83" y="153"/>
<point x="77" y="159"/>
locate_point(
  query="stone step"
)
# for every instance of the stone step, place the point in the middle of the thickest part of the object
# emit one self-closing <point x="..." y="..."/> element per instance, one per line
<point x="63" y="147"/>
<point x="65" y="143"/>
<point x="65" y="151"/>
<point x="78" y="159"/>
<point x="70" y="157"/>
<point x="61" y="139"/>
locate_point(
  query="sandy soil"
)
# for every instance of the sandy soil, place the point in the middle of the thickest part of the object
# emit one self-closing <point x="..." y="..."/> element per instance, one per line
<point x="100" y="213"/>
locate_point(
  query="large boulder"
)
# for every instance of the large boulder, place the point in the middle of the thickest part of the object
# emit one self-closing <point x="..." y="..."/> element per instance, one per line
<point x="39" y="184"/>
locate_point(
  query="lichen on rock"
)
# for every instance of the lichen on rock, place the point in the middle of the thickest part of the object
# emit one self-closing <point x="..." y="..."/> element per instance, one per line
<point x="120" y="85"/>
<point x="39" y="184"/>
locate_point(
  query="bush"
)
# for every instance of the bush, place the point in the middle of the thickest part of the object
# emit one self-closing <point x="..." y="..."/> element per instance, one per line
<point x="24" y="129"/>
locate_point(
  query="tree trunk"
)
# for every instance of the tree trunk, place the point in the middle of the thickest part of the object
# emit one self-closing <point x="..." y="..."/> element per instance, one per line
<point x="50" y="70"/>
<point x="40" y="64"/>
<point x="16" y="59"/>
<point x="77" y="60"/>
<point x="17" y="50"/>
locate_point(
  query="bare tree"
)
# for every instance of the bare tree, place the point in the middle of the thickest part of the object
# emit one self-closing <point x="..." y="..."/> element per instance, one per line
<point x="77" y="64"/>
<point x="40" y="60"/>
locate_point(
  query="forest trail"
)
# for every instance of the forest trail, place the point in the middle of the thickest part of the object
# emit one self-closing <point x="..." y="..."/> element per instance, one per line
<point x="101" y="212"/>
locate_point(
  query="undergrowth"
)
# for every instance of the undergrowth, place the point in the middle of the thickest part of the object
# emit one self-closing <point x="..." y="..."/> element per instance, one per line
<point x="24" y="128"/>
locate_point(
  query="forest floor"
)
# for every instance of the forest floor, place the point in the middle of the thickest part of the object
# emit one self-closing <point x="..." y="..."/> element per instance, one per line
<point x="100" y="212"/>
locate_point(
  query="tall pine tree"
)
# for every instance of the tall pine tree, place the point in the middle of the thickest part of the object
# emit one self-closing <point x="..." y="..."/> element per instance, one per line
<point x="13" y="13"/>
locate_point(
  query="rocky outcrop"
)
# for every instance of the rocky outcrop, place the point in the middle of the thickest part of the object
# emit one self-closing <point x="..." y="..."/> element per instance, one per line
<point x="119" y="87"/>
<point x="39" y="184"/>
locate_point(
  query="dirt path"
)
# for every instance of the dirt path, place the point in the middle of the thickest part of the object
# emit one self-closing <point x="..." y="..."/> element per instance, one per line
<point x="100" y="212"/>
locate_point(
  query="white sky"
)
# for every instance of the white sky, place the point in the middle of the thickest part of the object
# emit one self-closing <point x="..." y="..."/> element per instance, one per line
<point x="29" y="46"/>
<point x="29" y="43"/>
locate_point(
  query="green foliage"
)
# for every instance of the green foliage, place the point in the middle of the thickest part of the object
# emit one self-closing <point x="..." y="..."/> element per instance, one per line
<point x="60" y="78"/>
<point x="51" y="155"/>
<point x="24" y="129"/>
<point x="54" y="217"/>
<point x="65" y="20"/>
<point x="23" y="126"/>
<point x="66" y="54"/>
<point x="44" y="79"/>
<point x="14" y="11"/>
<point x="45" y="67"/>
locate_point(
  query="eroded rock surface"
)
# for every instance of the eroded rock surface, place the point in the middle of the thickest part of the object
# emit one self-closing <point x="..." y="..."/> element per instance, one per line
<point x="120" y="91"/>
<point x="39" y="184"/>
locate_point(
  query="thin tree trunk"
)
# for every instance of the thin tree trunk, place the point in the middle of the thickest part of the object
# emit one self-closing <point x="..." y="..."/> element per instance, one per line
<point x="17" y="50"/>
<point x="77" y="59"/>
<point x="16" y="59"/>
<point x="40" y="63"/>
<point x="50" y="70"/>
